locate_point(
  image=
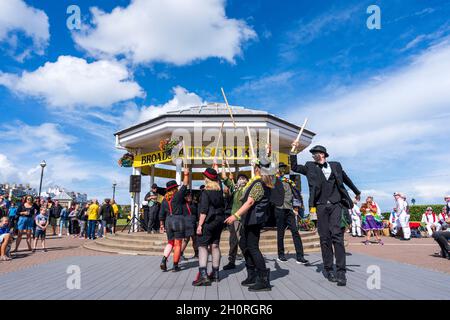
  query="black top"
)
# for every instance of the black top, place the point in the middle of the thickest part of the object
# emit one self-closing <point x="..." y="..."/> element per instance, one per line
<point x="322" y="190"/>
<point x="82" y="214"/>
<point x="55" y="211"/>
<point x="212" y="204"/>
<point x="190" y="210"/>
<point x="31" y="212"/>
<point x="175" y="207"/>
<point x="106" y="212"/>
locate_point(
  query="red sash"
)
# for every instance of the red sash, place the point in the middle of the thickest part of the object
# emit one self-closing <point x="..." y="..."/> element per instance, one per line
<point x="189" y="208"/>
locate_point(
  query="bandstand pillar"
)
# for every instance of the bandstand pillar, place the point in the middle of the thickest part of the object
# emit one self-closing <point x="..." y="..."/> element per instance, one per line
<point x="135" y="204"/>
<point x="152" y="175"/>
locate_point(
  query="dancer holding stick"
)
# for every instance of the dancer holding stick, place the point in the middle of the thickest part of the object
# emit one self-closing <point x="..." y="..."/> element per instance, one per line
<point x="299" y="134"/>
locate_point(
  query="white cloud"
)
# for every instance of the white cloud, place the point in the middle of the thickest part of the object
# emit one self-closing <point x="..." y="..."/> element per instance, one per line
<point x="306" y="32"/>
<point x="46" y="137"/>
<point x="260" y="85"/>
<point x="172" y="31"/>
<point x="73" y="82"/>
<point x="391" y="134"/>
<point x="25" y="146"/>
<point x="17" y="16"/>
<point x="181" y="98"/>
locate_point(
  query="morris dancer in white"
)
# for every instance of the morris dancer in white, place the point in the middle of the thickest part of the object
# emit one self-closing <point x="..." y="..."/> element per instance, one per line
<point x="402" y="210"/>
<point x="393" y="222"/>
<point x="356" y="219"/>
<point x="431" y="221"/>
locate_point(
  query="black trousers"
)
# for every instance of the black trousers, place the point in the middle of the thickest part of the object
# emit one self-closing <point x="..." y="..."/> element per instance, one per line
<point x="234" y="230"/>
<point x="331" y="236"/>
<point x="153" y="223"/>
<point x="146" y="220"/>
<point x="442" y="238"/>
<point x="249" y="244"/>
<point x="285" y="218"/>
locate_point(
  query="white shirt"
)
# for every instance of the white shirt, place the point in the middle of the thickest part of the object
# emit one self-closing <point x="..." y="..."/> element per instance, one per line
<point x="393" y="217"/>
<point x="428" y="218"/>
<point x="327" y="171"/>
<point x="401" y="206"/>
<point x="355" y="212"/>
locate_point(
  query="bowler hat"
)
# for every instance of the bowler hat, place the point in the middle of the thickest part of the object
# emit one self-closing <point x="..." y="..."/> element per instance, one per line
<point x="171" y="184"/>
<point x="210" y="173"/>
<point x="321" y="149"/>
<point x="282" y="165"/>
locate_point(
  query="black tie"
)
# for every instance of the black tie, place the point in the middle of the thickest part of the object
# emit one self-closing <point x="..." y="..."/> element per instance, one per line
<point x="325" y="165"/>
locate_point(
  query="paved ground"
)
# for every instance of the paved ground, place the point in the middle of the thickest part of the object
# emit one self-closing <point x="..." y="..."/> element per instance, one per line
<point x="402" y="265"/>
<point x="58" y="248"/>
<point x="419" y="252"/>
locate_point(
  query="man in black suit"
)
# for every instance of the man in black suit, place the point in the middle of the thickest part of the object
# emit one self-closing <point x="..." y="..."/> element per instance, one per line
<point x="328" y="195"/>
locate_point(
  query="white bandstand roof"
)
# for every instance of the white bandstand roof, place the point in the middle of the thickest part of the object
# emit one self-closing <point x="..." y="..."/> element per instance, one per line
<point x="145" y="136"/>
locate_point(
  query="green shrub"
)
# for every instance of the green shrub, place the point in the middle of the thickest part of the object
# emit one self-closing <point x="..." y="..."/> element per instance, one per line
<point x="417" y="211"/>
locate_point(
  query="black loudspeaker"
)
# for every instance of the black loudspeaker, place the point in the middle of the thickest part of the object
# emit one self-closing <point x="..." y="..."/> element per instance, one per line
<point x="135" y="183"/>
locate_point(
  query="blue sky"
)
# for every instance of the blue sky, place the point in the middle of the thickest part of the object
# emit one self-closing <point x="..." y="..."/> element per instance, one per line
<point x="378" y="99"/>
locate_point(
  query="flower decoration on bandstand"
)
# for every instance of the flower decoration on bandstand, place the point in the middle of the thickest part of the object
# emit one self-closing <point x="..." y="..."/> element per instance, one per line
<point x="126" y="160"/>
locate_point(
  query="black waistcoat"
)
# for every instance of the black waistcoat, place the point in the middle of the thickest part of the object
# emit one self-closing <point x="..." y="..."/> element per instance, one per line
<point x="258" y="213"/>
<point x="329" y="190"/>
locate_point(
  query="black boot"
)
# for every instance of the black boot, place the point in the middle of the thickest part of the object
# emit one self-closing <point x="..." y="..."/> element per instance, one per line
<point x="163" y="264"/>
<point x="202" y="278"/>
<point x="214" y="275"/>
<point x="251" y="278"/>
<point x="229" y="266"/>
<point x="262" y="281"/>
<point x="176" y="268"/>
<point x="341" y="279"/>
<point x="329" y="274"/>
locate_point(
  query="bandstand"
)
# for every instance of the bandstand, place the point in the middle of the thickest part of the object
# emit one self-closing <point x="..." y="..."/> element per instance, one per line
<point x="209" y="131"/>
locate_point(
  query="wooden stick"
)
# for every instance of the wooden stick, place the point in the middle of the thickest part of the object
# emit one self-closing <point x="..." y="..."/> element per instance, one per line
<point x="300" y="133"/>
<point x="229" y="109"/>
<point x="184" y="155"/>
<point x="251" y="148"/>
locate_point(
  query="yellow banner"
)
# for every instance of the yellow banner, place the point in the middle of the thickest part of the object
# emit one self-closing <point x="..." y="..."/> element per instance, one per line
<point x="201" y="153"/>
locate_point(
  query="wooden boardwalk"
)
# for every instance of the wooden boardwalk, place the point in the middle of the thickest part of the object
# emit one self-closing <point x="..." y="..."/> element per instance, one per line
<point x="139" y="277"/>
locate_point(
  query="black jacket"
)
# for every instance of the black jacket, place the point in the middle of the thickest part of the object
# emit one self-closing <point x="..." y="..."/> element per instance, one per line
<point x="212" y="204"/>
<point x="315" y="178"/>
<point x="106" y="212"/>
<point x="55" y="211"/>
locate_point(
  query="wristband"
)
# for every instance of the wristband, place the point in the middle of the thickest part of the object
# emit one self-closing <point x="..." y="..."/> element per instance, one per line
<point x="237" y="217"/>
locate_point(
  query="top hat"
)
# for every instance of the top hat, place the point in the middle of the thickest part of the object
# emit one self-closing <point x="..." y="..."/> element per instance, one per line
<point x="320" y="149"/>
<point x="171" y="184"/>
<point x="211" y="174"/>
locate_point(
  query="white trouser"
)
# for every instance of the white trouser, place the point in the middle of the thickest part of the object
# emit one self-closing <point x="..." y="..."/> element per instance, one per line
<point x="356" y="225"/>
<point x="394" y="227"/>
<point x="403" y="219"/>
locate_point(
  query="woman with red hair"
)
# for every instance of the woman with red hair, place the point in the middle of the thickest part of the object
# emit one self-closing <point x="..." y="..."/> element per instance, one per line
<point x="172" y="220"/>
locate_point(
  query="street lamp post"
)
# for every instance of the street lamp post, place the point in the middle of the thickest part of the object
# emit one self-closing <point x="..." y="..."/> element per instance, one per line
<point x="114" y="190"/>
<point x="43" y="164"/>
